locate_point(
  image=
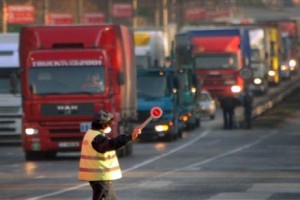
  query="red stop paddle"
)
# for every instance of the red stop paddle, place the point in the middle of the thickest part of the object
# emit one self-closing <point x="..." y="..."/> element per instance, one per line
<point x="155" y="113"/>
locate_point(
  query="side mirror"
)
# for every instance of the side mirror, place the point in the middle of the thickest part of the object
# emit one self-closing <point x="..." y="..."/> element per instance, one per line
<point x="121" y="78"/>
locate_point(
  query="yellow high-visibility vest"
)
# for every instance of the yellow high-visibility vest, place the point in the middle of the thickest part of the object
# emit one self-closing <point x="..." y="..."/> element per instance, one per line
<point x="95" y="166"/>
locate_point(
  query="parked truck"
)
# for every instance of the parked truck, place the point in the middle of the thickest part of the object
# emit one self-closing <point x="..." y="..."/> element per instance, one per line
<point x="56" y="62"/>
<point x="10" y="104"/>
<point x="218" y="54"/>
<point x="160" y="87"/>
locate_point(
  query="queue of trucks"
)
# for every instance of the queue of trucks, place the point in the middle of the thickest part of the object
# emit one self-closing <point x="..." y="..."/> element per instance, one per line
<point x="166" y="85"/>
<point x="134" y="70"/>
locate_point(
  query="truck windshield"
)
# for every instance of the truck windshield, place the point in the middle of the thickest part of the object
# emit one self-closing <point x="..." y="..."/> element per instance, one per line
<point x="216" y="61"/>
<point x="5" y="85"/>
<point x="255" y="56"/>
<point x="142" y="62"/>
<point x="67" y="80"/>
<point x="150" y="86"/>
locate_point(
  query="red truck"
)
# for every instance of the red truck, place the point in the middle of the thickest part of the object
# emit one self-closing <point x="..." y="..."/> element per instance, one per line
<point x="218" y="55"/>
<point x="68" y="73"/>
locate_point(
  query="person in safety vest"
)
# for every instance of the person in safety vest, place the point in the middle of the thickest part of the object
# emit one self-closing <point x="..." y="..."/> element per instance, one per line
<point x="98" y="160"/>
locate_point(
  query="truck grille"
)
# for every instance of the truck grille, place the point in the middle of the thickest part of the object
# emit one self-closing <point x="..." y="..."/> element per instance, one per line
<point x="54" y="110"/>
<point x="63" y="131"/>
<point x="9" y="109"/>
<point x="213" y="80"/>
<point x="10" y="126"/>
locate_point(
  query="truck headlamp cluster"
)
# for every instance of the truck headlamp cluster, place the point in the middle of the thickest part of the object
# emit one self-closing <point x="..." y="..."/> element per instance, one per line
<point x="283" y="68"/>
<point x="292" y="63"/>
<point x="271" y="73"/>
<point x="161" y="128"/>
<point x="236" y="89"/>
<point x="184" y="118"/>
<point x="193" y="90"/>
<point x="31" y="131"/>
<point x="257" y="81"/>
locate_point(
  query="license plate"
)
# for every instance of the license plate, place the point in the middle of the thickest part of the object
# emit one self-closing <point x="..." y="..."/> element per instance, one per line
<point x="68" y="144"/>
<point x="85" y="126"/>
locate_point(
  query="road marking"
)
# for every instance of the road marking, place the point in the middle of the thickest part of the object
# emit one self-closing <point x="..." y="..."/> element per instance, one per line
<point x="168" y="153"/>
<point x="198" y="164"/>
<point x="127" y="170"/>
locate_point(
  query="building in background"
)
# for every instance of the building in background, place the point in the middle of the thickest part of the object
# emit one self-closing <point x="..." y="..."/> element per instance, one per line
<point x="135" y="13"/>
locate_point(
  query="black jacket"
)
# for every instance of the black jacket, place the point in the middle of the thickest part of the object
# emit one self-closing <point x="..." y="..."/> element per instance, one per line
<point x="229" y="103"/>
<point x="102" y="144"/>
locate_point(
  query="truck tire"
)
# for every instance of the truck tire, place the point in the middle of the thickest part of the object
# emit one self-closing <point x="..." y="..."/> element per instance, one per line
<point x="40" y="155"/>
<point x="171" y="137"/>
<point x="179" y="135"/>
<point x="30" y="155"/>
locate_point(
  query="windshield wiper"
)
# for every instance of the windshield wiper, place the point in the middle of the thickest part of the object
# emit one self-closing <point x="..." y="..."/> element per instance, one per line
<point x="51" y="93"/>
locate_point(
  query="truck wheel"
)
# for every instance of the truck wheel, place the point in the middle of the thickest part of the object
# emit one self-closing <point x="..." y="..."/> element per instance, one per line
<point x="170" y="137"/>
<point x="30" y="155"/>
<point x="179" y="133"/>
<point x="33" y="155"/>
<point x="198" y="122"/>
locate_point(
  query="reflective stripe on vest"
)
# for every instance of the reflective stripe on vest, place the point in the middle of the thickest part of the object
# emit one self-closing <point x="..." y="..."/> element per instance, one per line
<point x="95" y="166"/>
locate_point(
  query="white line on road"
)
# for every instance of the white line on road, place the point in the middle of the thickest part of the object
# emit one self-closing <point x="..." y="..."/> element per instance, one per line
<point x="126" y="170"/>
<point x="190" y="166"/>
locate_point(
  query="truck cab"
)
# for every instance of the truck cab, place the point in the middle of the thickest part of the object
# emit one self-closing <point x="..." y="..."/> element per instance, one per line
<point x="159" y="87"/>
<point x="217" y="54"/>
<point x="68" y="73"/>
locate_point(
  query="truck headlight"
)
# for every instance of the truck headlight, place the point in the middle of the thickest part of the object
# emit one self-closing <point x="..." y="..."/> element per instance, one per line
<point x="292" y="63"/>
<point x="193" y="90"/>
<point x="236" y="89"/>
<point x="31" y="131"/>
<point x="271" y="73"/>
<point x="257" y="81"/>
<point x="184" y="118"/>
<point x="161" y="128"/>
<point x="283" y="68"/>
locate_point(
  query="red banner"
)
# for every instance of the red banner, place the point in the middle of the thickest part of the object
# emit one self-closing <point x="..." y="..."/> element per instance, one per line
<point x="92" y="18"/>
<point x="195" y="14"/>
<point x="122" y="10"/>
<point x="19" y="14"/>
<point x="59" y="19"/>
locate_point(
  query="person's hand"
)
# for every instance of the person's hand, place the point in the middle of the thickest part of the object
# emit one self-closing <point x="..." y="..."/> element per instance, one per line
<point x="135" y="133"/>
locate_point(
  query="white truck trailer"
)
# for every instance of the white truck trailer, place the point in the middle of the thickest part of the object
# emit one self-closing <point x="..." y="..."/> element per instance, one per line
<point x="259" y="59"/>
<point x="10" y="97"/>
<point x="151" y="48"/>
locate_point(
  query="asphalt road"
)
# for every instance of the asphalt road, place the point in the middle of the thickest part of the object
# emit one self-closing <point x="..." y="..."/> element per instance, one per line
<point x="208" y="163"/>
